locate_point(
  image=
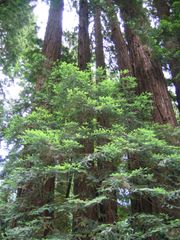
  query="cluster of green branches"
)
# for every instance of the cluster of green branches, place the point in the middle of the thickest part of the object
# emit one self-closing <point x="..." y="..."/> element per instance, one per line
<point x="56" y="130"/>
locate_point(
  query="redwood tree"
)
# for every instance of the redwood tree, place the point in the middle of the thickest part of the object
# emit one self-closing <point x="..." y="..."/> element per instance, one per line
<point x="53" y="39"/>
<point x="123" y="59"/>
<point x="84" y="188"/>
<point x="146" y="68"/>
<point x="108" y="208"/>
<point x="150" y="78"/>
<point x="41" y="194"/>
<point x="99" y="51"/>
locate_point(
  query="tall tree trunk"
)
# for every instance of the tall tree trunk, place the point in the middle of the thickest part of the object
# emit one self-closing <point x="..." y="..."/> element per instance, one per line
<point x="99" y="52"/>
<point x="108" y="208"/>
<point x="150" y="79"/>
<point x="84" y="55"/>
<point x="164" y="12"/>
<point x="148" y="71"/>
<point x="84" y="188"/>
<point x="52" y="41"/>
<point x="40" y="193"/>
<point x="123" y="59"/>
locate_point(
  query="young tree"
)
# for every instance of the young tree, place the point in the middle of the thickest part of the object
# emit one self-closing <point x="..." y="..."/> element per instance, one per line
<point x="108" y="208"/>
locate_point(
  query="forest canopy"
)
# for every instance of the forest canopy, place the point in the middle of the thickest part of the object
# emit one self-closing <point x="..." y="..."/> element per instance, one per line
<point x="93" y="138"/>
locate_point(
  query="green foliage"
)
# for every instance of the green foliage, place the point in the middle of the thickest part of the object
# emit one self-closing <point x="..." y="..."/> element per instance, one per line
<point x="49" y="140"/>
<point x="17" y="34"/>
<point x="164" y="37"/>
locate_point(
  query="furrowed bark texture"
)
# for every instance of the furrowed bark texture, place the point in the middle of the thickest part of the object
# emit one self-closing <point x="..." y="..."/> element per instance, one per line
<point x="173" y="42"/>
<point x="53" y="36"/>
<point x="148" y="72"/>
<point x="84" y="55"/>
<point x="150" y="79"/>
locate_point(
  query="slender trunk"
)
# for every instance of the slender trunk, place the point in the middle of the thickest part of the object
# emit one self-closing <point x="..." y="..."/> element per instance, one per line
<point x="84" y="220"/>
<point x="100" y="62"/>
<point x="108" y="207"/>
<point x="52" y="51"/>
<point x="84" y="55"/>
<point x="163" y="12"/>
<point x="123" y="59"/>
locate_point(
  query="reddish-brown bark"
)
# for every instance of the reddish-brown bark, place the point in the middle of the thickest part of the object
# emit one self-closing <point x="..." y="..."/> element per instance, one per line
<point x="123" y="59"/>
<point x="52" y="41"/>
<point x="148" y="72"/>
<point x="150" y="79"/>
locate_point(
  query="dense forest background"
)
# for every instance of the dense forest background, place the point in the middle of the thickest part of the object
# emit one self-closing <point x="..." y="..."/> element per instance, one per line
<point x="94" y="138"/>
